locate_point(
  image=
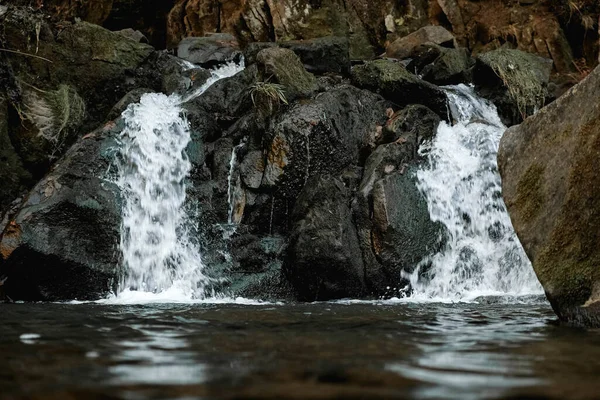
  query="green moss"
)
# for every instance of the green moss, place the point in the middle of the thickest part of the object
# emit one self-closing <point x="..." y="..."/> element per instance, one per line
<point x="530" y="197"/>
<point x="523" y="74"/>
<point x="285" y="67"/>
<point x="381" y="74"/>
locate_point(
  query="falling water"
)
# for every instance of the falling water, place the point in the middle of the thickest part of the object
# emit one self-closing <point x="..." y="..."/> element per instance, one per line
<point x="159" y="254"/>
<point x="462" y="186"/>
<point x="232" y="182"/>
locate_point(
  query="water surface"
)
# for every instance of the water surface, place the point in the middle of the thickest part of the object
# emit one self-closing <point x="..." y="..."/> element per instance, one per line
<point x="490" y="349"/>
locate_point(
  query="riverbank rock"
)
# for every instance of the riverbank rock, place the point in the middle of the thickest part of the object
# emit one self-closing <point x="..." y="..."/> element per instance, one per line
<point x="63" y="242"/>
<point x="549" y="166"/>
<point x="515" y="81"/>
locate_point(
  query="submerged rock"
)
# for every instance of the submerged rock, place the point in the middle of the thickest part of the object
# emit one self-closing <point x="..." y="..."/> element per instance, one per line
<point x="549" y="166"/>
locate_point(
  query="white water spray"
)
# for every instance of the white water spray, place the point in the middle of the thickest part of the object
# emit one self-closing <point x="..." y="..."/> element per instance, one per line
<point x="159" y="256"/>
<point x="463" y="190"/>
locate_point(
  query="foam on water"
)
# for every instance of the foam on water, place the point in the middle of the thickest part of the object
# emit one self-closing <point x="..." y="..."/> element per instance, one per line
<point x="160" y="258"/>
<point x="482" y="255"/>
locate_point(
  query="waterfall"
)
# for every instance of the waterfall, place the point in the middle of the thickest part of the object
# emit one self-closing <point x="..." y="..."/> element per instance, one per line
<point x="159" y="254"/>
<point x="462" y="186"/>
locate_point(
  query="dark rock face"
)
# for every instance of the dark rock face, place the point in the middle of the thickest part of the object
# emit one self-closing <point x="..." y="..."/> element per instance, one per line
<point x="209" y="51"/>
<point x="549" y="166"/>
<point x="63" y="242"/>
<point x="324" y="260"/>
<point x="395" y="83"/>
<point x="327" y="54"/>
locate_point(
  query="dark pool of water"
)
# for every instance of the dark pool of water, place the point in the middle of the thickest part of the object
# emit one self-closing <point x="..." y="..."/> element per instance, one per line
<point x="299" y="351"/>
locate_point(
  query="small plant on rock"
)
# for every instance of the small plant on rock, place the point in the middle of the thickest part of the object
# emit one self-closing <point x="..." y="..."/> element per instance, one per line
<point x="267" y="97"/>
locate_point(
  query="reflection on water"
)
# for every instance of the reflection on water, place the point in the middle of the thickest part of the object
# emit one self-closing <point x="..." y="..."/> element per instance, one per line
<point x="325" y="350"/>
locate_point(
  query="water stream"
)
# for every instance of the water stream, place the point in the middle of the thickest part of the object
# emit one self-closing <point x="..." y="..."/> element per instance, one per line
<point x="159" y="256"/>
<point x="461" y="183"/>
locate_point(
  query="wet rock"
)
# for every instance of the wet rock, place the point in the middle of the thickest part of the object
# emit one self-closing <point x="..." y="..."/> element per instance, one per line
<point x="403" y="47"/>
<point x="132" y="97"/>
<point x="327" y="135"/>
<point x="549" y="166"/>
<point x="440" y="65"/>
<point x="284" y="67"/>
<point x="394" y="228"/>
<point x="252" y="169"/>
<point x="62" y="243"/>
<point x="395" y="83"/>
<point x="414" y="121"/>
<point x="327" y="54"/>
<point x="515" y="81"/>
<point x="210" y="51"/>
<point x="324" y="260"/>
<point x="229" y="98"/>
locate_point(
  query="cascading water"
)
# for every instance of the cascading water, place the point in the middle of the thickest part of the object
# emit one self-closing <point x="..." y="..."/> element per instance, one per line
<point x="462" y="186"/>
<point x="159" y="256"/>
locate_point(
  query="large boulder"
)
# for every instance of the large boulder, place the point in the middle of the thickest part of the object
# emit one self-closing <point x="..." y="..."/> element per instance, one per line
<point x="324" y="260"/>
<point x="395" y="83"/>
<point x="62" y="244"/>
<point x="549" y="166"/>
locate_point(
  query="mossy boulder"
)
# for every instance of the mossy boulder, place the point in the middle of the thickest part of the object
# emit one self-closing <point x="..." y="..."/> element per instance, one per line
<point x="517" y="82"/>
<point x="393" y="81"/>
<point x="284" y="67"/>
<point x="549" y="166"/>
<point x="440" y="65"/>
<point x="321" y="55"/>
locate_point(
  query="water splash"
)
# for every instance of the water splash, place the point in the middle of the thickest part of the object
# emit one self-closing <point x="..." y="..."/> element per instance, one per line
<point x="159" y="254"/>
<point x="462" y="186"/>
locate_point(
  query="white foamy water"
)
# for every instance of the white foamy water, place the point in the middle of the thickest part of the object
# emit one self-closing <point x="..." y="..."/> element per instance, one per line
<point x="160" y="258"/>
<point x="462" y="186"/>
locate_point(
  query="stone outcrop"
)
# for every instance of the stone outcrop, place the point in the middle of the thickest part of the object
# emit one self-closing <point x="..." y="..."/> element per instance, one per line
<point x="549" y="166"/>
